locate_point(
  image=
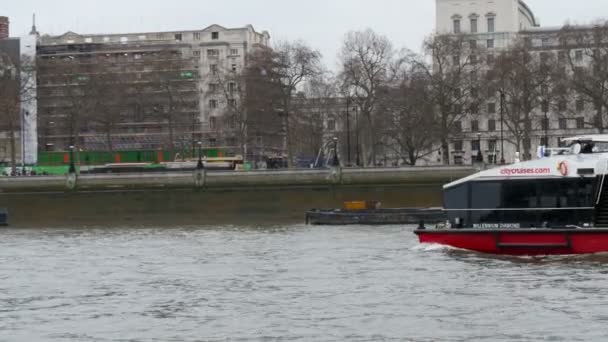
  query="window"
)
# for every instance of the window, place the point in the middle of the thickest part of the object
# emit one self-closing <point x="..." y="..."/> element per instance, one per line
<point x="331" y="125"/>
<point x="544" y="124"/>
<point x="158" y="36"/>
<point x="473" y="44"/>
<point x="474" y="92"/>
<point x="543" y="141"/>
<point x="580" y="123"/>
<point x="491" y="125"/>
<point x="458" y="160"/>
<point x="490" y="43"/>
<point x="456" y="25"/>
<point x="215" y="35"/>
<point x="491" y="108"/>
<point x="578" y="55"/>
<point x="212" y="103"/>
<point x="178" y="37"/>
<point x="491" y="24"/>
<point x="562" y="105"/>
<point x="580" y="105"/>
<point x="213" y="53"/>
<point x="232" y="87"/>
<point x="196" y="36"/>
<point x="234" y="67"/>
<point x="490" y="59"/>
<point x="213" y="69"/>
<point x="232" y="102"/>
<point x="492" y="145"/>
<point x="234" y="52"/>
<point x="212" y="122"/>
<point x="544" y="42"/>
<point x="213" y="87"/>
<point x="563" y="123"/>
<point x="473" y="59"/>
<point x="458" y="145"/>
<point x="475" y="145"/>
<point x="475" y="126"/>
<point x="473" y="25"/>
<point x="474" y="108"/>
<point x="458" y="126"/>
<point x="212" y="141"/>
<point x="456" y="59"/>
<point x="520" y="194"/>
<point x="196" y="54"/>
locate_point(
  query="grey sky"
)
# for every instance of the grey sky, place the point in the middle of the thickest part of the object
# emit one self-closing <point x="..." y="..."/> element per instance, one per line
<point x="321" y="23"/>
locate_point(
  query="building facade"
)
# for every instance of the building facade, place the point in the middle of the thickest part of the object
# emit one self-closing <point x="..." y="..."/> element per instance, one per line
<point x="496" y="25"/>
<point x="170" y="74"/>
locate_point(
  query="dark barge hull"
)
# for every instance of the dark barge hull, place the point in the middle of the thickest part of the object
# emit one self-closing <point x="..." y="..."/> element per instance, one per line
<point x="521" y="242"/>
<point x="375" y="216"/>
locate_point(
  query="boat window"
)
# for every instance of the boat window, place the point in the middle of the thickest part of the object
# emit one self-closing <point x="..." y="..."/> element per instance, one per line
<point x="576" y="193"/>
<point x="548" y="195"/>
<point x="456" y="197"/>
<point x="601" y="147"/>
<point x="521" y="194"/>
<point x="486" y="195"/>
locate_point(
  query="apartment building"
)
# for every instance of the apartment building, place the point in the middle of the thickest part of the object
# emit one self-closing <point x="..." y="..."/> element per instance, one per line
<point x="170" y="74"/>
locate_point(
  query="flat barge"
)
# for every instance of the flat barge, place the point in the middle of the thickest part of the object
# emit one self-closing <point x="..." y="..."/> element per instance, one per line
<point x="388" y="216"/>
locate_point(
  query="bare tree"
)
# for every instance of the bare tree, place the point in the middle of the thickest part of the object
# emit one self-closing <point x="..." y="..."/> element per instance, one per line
<point x="171" y="78"/>
<point x="526" y="80"/>
<point x="296" y="62"/>
<point x="272" y="78"/>
<point x="452" y="64"/>
<point x="365" y="60"/>
<point x="109" y="94"/>
<point x="316" y="107"/>
<point x="231" y="85"/>
<point x="10" y="102"/>
<point x="585" y="53"/>
<point x="73" y="94"/>
<point x="412" y="128"/>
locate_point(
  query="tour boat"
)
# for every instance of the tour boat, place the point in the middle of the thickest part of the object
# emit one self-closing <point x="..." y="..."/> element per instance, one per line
<point x="554" y="205"/>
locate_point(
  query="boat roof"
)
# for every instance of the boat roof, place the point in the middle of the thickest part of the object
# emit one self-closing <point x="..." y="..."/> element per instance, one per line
<point x="588" y="138"/>
<point x="554" y="167"/>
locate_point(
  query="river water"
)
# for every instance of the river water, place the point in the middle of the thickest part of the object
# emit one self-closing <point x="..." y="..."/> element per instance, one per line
<point x="287" y="283"/>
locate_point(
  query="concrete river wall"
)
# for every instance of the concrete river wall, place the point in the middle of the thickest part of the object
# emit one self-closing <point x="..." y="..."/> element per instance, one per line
<point x="210" y="198"/>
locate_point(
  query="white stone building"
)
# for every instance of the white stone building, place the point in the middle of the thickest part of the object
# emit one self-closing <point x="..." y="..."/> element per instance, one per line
<point x="495" y="24"/>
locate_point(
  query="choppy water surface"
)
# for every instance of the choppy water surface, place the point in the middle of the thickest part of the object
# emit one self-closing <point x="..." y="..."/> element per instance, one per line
<point x="293" y="283"/>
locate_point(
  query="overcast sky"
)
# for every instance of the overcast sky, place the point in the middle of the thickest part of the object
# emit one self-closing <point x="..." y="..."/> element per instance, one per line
<point x="321" y="23"/>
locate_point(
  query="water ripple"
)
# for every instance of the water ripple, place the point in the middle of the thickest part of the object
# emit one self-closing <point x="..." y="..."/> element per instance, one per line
<point x="293" y="283"/>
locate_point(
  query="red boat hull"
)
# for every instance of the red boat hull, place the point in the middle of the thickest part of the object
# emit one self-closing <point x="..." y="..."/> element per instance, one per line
<point x="521" y="241"/>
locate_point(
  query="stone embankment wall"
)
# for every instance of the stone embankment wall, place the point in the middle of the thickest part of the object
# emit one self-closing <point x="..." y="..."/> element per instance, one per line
<point x="214" y="181"/>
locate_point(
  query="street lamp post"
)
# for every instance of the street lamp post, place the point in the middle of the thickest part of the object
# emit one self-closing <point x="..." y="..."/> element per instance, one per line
<point x="336" y="161"/>
<point x="199" y="165"/>
<point x="502" y="139"/>
<point x="479" y="155"/>
<point x="348" y="161"/>
<point x="546" y="109"/>
<point x="72" y="168"/>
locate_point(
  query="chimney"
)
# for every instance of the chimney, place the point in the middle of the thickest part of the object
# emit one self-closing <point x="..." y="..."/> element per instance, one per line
<point x="3" y="27"/>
